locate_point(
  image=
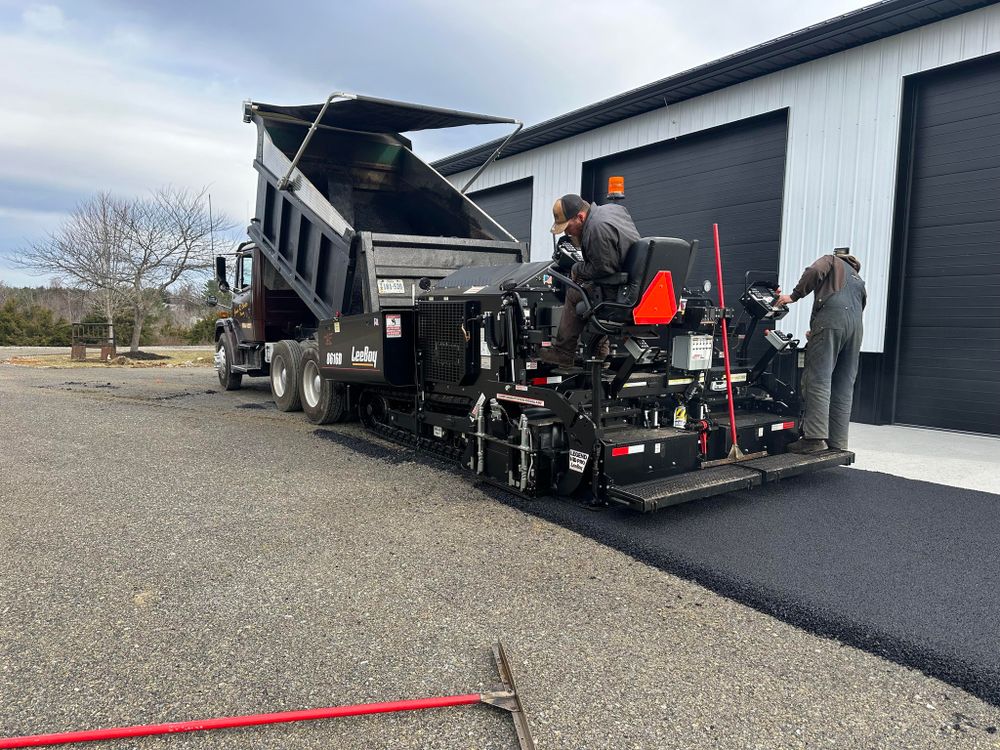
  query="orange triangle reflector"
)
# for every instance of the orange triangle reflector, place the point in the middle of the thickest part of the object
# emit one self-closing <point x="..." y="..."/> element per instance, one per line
<point x="659" y="303"/>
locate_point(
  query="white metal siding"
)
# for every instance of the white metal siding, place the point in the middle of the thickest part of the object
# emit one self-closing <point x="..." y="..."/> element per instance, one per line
<point x="843" y="131"/>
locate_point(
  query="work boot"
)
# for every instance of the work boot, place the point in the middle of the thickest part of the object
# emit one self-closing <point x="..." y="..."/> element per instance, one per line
<point x="552" y="356"/>
<point x="807" y="445"/>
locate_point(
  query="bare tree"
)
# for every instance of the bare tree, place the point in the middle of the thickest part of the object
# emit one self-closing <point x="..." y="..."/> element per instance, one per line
<point x="86" y="251"/>
<point x="169" y="236"/>
<point x="130" y="251"/>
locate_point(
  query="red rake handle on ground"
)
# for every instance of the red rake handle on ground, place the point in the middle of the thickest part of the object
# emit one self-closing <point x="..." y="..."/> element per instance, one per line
<point x="725" y="341"/>
<point x="506" y="699"/>
<point x="116" y="733"/>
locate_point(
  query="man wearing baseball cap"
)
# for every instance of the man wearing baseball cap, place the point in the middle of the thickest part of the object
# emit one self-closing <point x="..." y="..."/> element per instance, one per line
<point x="604" y="234"/>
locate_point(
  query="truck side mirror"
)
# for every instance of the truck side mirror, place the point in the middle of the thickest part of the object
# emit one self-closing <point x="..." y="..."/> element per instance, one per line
<point x="424" y="283"/>
<point x="220" y="273"/>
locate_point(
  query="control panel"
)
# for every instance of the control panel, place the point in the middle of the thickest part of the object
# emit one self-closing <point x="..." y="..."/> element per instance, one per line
<point x="692" y="352"/>
<point x="761" y="302"/>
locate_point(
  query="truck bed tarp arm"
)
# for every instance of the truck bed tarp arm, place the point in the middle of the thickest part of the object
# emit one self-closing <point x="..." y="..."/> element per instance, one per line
<point x="493" y="158"/>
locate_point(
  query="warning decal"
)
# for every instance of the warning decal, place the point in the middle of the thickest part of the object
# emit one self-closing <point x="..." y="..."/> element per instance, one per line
<point x="393" y="326"/>
<point x="520" y="399"/>
<point x="578" y="461"/>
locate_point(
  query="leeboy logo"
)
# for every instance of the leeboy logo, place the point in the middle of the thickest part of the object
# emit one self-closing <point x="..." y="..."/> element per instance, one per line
<point x="365" y="357"/>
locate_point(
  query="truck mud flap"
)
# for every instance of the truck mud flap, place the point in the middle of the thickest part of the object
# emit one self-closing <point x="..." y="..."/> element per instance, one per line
<point x="693" y="485"/>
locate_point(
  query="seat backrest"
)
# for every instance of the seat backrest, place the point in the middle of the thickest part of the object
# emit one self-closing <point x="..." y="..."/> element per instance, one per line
<point x="650" y="255"/>
<point x="643" y="260"/>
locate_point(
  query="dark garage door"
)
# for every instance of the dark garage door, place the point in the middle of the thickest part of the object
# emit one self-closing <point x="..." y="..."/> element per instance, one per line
<point x="510" y="207"/>
<point x="948" y="371"/>
<point x="733" y="176"/>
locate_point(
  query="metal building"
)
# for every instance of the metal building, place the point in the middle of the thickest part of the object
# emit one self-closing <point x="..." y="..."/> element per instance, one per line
<point x="878" y="130"/>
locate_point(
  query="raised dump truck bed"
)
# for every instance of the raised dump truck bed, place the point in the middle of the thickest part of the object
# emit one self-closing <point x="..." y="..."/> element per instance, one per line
<point x="348" y="221"/>
<point x="359" y="218"/>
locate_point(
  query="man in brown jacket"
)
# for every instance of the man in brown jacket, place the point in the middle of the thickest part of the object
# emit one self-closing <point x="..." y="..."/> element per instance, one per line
<point x="835" y="331"/>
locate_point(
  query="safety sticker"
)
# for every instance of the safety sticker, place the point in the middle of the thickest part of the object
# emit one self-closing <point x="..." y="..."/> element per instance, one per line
<point x="473" y="289"/>
<point x="479" y="404"/>
<point x="336" y="326"/>
<point x="393" y="327"/>
<point x="520" y="387"/>
<point x="578" y="461"/>
<point x="628" y="450"/>
<point x="531" y="364"/>
<point x="782" y="426"/>
<point x="520" y="399"/>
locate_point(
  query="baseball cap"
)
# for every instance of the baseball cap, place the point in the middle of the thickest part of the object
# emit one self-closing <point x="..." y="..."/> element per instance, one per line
<point x="565" y="209"/>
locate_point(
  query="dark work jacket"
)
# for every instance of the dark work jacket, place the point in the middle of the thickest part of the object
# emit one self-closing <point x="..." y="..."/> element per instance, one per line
<point x="826" y="277"/>
<point x="608" y="233"/>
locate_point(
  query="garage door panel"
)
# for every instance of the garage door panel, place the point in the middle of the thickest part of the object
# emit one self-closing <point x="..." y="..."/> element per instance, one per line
<point x="706" y="164"/>
<point x="962" y="118"/>
<point x="729" y="192"/>
<point x="509" y="205"/>
<point x="711" y="149"/>
<point x="959" y="186"/>
<point x="948" y="373"/>
<point x="960" y="103"/>
<point x="968" y="165"/>
<point x="951" y="141"/>
<point x="960" y="214"/>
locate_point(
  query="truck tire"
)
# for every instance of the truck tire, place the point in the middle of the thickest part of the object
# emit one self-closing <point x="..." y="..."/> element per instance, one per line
<point x="323" y="400"/>
<point x="224" y="356"/>
<point x="285" y="366"/>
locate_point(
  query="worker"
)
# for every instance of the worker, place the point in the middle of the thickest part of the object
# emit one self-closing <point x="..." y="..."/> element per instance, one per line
<point x="831" y="365"/>
<point x="603" y="234"/>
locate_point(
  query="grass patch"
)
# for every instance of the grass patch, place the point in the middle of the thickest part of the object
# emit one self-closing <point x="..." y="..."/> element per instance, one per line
<point x="162" y="358"/>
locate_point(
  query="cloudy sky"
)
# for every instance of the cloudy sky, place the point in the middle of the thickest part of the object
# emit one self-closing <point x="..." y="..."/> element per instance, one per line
<point x="127" y="96"/>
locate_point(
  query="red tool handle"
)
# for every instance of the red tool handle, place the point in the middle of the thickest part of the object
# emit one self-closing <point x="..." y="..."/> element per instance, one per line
<point x="37" y="740"/>
<point x="725" y="336"/>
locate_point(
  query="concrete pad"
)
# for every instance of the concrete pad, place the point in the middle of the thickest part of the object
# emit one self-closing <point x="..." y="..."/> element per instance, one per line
<point x="955" y="459"/>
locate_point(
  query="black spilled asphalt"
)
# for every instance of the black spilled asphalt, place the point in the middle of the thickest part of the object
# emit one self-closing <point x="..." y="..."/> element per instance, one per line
<point x="905" y="569"/>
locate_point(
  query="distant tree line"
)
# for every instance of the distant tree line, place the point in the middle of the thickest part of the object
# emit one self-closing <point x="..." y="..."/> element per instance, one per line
<point x="123" y="261"/>
<point x="42" y="316"/>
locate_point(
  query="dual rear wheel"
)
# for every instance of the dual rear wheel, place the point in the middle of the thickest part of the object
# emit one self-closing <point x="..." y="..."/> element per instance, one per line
<point x="296" y="383"/>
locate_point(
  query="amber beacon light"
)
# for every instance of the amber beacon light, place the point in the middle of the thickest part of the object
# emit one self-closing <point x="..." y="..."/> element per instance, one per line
<point x="616" y="188"/>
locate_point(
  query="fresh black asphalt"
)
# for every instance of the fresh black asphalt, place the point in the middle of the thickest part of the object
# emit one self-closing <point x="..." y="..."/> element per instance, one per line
<point x="905" y="569"/>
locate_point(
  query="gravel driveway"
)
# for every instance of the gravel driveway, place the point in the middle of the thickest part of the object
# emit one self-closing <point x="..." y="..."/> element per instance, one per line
<point x="173" y="552"/>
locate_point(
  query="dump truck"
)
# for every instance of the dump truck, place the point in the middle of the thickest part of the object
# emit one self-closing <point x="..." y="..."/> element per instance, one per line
<point x="371" y="288"/>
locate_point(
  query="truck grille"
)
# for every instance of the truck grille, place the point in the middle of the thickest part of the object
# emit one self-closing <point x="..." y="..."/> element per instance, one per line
<point x="448" y="339"/>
